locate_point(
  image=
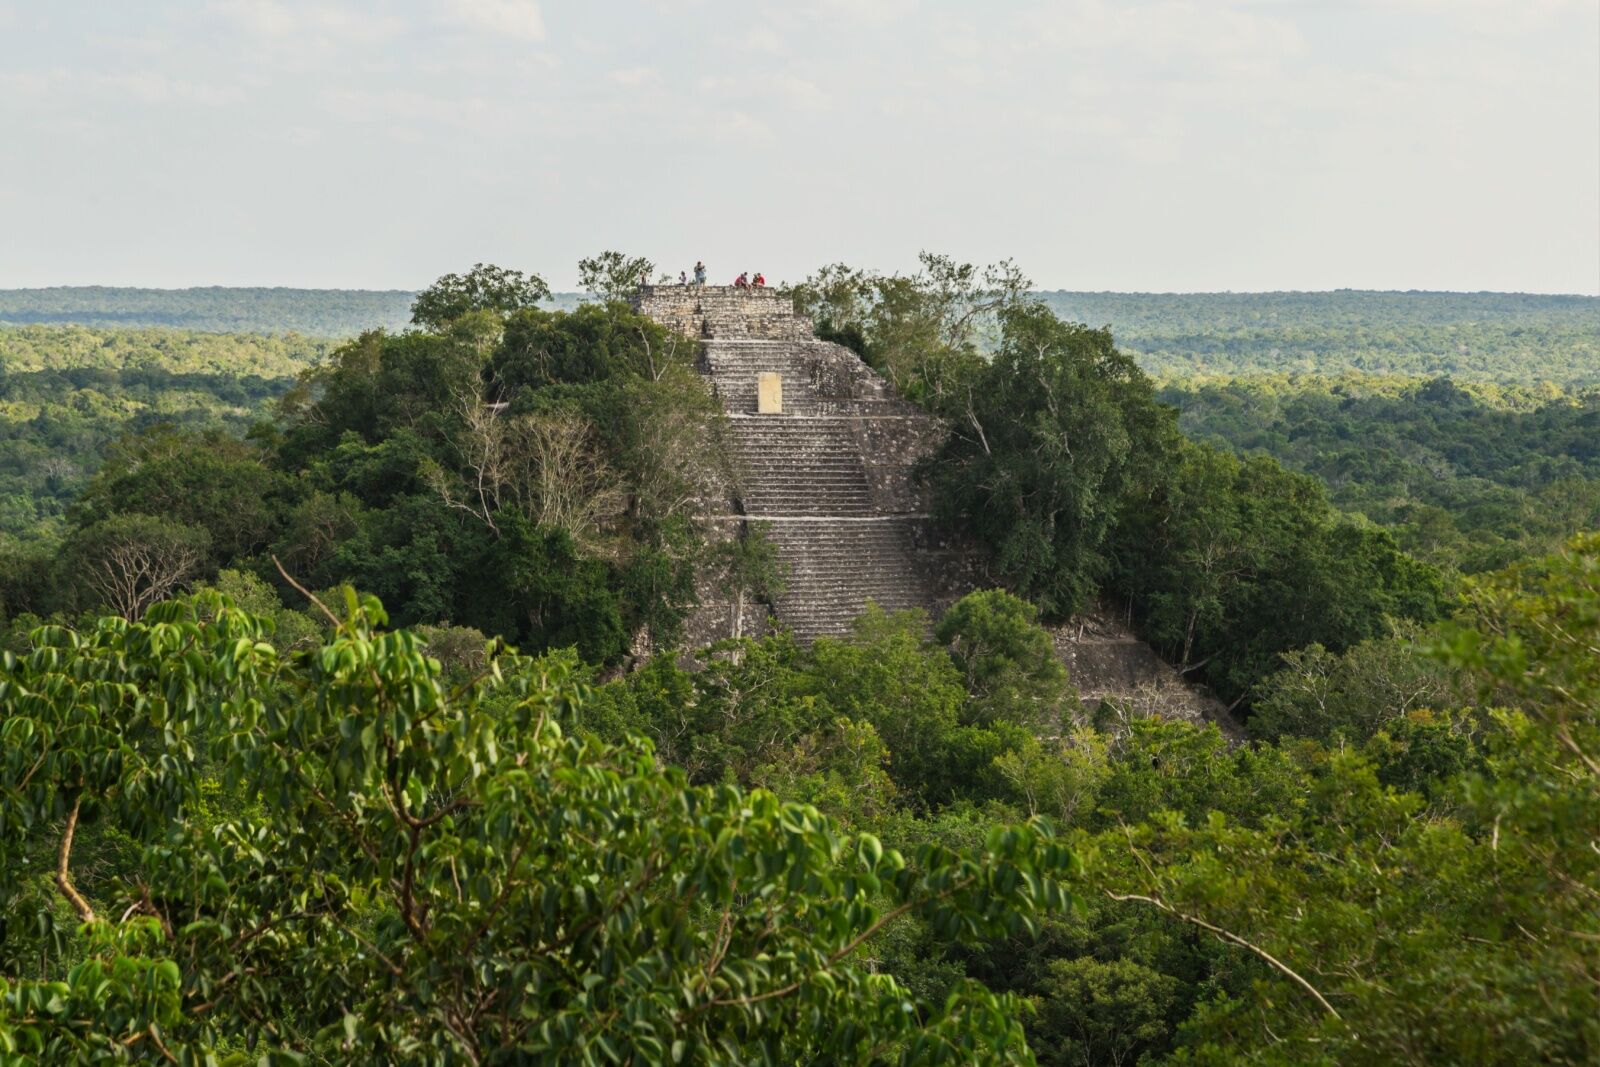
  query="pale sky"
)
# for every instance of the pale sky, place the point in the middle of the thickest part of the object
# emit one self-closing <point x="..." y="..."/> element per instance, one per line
<point x="1103" y="144"/>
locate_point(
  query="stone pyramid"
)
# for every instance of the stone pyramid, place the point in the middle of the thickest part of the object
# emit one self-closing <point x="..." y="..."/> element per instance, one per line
<point x="823" y="454"/>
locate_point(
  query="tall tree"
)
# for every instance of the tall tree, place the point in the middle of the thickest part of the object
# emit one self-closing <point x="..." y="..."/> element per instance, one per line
<point x="924" y="331"/>
<point x="483" y="288"/>
<point x="1042" y="451"/>
<point x="127" y="562"/>
<point x="614" y="275"/>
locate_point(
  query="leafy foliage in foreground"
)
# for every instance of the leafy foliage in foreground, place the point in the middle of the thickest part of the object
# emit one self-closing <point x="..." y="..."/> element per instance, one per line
<point x="349" y="851"/>
<point x="1432" y="891"/>
<point x="335" y="853"/>
<point x="1400" y="872"/>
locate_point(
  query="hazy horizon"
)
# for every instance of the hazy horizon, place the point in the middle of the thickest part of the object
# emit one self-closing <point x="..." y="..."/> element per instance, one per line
<point x="1149" y="146"/>
<point x="574" y="291"/>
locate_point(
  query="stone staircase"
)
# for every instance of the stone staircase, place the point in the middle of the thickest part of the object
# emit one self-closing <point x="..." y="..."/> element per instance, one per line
<point x="789" y="466"/>
<point x="836" y="566"/>
<point x="734" y="366"/>
<point x="829" y="476"/>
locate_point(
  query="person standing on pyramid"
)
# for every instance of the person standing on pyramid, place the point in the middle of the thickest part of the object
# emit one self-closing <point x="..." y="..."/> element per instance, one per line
<point x="700" y="273"/>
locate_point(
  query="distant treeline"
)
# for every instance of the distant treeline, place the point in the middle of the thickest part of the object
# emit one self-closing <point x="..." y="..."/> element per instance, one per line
<point x="213" y="309"/>
<point x="221" y="309"/>
<point x="1493" y="337"/>
<point x="1496" y="337"/>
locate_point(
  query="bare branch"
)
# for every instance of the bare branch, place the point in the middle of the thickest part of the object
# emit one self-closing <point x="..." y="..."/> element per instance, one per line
<point x="64" y="866"/>
<point x="308" y="594"/>
<point x="1234" y="938"/>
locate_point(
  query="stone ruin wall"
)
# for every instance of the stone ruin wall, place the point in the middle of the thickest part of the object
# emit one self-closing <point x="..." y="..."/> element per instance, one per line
<point x="694" y="311"/>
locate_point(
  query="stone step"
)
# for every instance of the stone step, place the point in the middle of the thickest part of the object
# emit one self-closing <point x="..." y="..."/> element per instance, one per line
<point x="799" y="486"/>
<point x="842" y="596"/>
<point x="801" y="489"/>
<point x="825" y="440"/>
<point x="797" y="480"/>
<point x="806" y="469"/>
<point x="801" y="492"/>
<point x="848" y="600"/>
<point x="849" y="581"/>
<point x="758" y="510"/>
<point x="802" y="472"/>
<point x="789" y="425"/>
<point x="802" y="463"/>
<point x="821" y="547"/>
<point x="797" y="461"/>
<point x="780" y="448"/>
<point x="786" y="449"/>
<point x="803" y="475"/>
<point x="760" y="502"/>
<point x="758" y="507"/>
<point x="816" y="590"/>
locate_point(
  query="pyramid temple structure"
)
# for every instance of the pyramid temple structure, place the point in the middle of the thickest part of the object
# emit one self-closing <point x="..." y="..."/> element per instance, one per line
<point x="823" y="455"/>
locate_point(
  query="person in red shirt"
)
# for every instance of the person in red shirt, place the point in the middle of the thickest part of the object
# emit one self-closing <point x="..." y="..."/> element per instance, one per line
<point x="742" y="281"/>
<point x="761" y="280"/>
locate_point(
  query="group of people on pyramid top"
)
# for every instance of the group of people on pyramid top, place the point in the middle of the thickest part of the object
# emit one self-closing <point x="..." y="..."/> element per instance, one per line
<point x="743" y="281"/>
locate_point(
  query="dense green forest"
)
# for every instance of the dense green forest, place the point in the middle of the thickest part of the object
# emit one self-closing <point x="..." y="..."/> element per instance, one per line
<point x="69" y="392"/>
<point x="231" y="840"/>
<point x="1471" y="478"/>
<point x="343" y="718"/>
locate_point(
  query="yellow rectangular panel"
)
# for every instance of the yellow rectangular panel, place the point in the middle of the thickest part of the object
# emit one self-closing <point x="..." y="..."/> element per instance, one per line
<point x="769" y="394"/>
